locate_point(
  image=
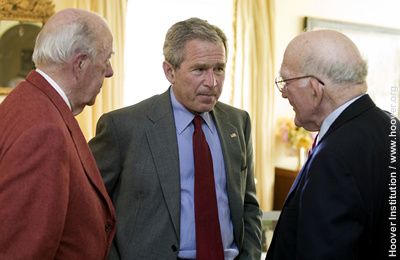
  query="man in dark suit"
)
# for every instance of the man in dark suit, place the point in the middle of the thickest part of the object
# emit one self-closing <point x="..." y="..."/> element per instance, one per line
<point x="339" y="205"/>
<point x="53" y="202"/>
<point x="144" y="153"/>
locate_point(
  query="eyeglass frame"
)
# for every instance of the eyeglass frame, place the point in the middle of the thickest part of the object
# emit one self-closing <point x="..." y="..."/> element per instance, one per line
<point x="279" y="80"/>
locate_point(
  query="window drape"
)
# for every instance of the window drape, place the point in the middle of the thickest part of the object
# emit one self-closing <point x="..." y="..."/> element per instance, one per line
<point x="111" y="96"/>
<point x="253" y="84"/>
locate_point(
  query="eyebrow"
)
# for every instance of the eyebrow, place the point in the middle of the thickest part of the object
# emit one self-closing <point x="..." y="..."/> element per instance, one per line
<point x="221" y="64"/>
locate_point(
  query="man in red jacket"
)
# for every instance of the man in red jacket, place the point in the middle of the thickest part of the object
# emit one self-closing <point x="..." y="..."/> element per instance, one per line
<point x="53" y="201"/>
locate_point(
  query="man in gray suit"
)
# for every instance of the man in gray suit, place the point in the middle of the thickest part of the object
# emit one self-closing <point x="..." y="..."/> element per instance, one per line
<point x="144" y="153"/>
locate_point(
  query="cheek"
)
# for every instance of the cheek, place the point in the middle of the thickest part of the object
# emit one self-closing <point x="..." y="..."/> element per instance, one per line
<point x="188" y="85"/>
<point x="221" y="81"/>
<point x="101" y="71"/>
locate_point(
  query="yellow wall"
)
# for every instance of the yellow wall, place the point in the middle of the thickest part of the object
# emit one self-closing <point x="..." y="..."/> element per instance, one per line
<point x="62" y="4"/>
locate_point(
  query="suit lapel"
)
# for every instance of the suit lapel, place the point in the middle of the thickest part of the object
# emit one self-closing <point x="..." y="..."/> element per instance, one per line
<point x="359" y="106"/>
<point x="232" y="152"/>
<point x="355" y="109"/>
<point x="163" y="145"/>
<point x="82" y="148"/>
<point x="228" y="135"/>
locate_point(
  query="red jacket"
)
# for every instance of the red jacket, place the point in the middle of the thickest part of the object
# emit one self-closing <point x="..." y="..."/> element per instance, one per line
<point x="53" y="203"/>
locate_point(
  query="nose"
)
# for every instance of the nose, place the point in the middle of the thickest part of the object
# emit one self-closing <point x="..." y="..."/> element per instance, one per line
<point x="210" y="79"/>
<point x="109" y="71"/>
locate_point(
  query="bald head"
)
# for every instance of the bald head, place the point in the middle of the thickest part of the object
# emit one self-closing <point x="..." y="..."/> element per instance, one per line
<point x="68" y="16"/>
<point x="329" y="54"/>
<point x="68" y="32"/>
<point x="337" y="75"/>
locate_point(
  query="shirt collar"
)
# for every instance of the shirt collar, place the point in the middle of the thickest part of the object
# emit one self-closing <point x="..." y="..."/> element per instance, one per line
<point x="328" y="121"/>
<point x="55" y="86"/>
<point x="184" y="117"/>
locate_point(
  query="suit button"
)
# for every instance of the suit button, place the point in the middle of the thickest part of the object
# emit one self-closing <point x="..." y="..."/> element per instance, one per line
<point x="108" y="226"/>
<point x="174" y="248"/>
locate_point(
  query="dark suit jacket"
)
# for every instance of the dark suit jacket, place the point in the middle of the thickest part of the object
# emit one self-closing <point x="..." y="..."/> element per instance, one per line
<point x="338" y="207"/>
<point x="137" y="154"/>
<point x="53" y="203"/>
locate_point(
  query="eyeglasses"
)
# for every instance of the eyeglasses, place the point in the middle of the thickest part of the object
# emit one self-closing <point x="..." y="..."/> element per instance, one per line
<point x="281" y="83"/>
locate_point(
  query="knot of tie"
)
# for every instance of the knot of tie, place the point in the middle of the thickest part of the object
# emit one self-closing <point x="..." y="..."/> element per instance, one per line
<point x="197" y="121"/>
<point x="312" y="146"/>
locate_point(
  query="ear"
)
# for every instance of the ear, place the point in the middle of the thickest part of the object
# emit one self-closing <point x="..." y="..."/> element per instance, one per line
<point x="169" y="71"/>
<point x="79" y="63"/>
<point x="317" y="92"/>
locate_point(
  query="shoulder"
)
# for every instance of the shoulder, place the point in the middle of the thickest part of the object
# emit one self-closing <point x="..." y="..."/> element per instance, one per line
<point x="137" y="108"/>
<point x="230" y="109"/>
<point x="143" y="107"/>
<point x="140" y="115"/>
<point x="232" y="113"/>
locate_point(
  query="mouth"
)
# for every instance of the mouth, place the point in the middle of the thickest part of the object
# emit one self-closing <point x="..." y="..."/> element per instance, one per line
<point x="207" y="94"/>
<point x="206" y="98"/>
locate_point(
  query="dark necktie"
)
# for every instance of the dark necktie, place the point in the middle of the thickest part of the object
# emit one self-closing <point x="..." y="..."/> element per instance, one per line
<point x="208" y="234"/>
<point x="312" y="146"/>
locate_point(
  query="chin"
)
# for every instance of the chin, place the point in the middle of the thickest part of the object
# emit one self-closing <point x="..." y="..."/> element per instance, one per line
<point x="297" y="123"/>
<point x="91" y="102"/>
<point x="207" y="108"/>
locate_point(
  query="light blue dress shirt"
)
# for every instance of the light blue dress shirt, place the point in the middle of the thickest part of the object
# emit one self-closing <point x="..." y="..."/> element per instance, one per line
<point x="184" y="132"/>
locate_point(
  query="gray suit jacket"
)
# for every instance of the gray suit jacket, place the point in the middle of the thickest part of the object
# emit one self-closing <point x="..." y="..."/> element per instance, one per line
<point x="137" y="153"/>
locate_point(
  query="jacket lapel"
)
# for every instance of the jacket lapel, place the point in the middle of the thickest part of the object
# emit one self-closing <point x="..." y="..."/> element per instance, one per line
<point x="82" y="148"/>
<point x="232" y="152"/>
<point x="163" y="145"/>
<point x="359" y="106"/>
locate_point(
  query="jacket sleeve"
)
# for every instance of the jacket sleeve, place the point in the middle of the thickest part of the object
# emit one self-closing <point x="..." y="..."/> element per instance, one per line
<point x="34" y="181"/>
<point x="105" y="147"/>
<point x="252" y="214"/>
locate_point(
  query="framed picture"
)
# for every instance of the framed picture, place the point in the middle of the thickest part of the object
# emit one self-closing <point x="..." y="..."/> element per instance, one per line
<point x="17" y="40"/>
<point x="381" y="48"/>
<point x="20" y="23"/>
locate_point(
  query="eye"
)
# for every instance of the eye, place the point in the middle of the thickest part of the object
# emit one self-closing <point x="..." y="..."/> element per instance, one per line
<point x="108" y="63"/>
<point x="219" y="70"/>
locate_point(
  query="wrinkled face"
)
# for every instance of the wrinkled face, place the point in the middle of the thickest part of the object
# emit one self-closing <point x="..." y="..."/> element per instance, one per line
<point x="198" y="82"/>
<point x="94" y="73"/>
<point x="298" y="92"/>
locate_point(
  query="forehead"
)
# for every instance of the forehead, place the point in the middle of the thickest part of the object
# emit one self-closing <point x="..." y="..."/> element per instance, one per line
<point x="203" y="51"/>
<point x="291" y="63"/>
<point x="286" y="71"/>
<point x="106" y="44"/>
